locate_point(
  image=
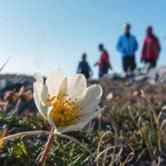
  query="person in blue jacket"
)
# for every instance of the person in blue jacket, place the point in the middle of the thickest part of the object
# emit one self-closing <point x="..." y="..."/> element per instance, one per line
<point x="127" y="45"/>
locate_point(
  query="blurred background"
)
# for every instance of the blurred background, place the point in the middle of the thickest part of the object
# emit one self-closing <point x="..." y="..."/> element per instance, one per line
<point x="42" y="35"/>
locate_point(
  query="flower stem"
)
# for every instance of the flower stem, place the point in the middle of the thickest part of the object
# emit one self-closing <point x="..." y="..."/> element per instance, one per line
<point x="46" y="149"/>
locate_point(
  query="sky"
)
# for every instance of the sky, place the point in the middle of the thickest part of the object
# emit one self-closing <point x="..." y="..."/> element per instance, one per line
<point x="41" y="35"/>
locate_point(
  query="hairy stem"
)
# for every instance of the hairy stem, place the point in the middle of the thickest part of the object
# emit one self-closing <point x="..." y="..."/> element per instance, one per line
<point x="46" y="149"/>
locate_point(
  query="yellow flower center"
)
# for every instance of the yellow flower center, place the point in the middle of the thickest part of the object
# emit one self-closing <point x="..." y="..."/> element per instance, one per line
<point x="64" y="112"/>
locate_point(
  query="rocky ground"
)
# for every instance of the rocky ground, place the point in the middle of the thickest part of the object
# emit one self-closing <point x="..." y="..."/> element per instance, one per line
<point x="131" y="131"/>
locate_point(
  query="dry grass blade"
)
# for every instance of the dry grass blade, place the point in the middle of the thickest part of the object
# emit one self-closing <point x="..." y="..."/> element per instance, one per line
<point x="23" y="134"/>
<point x="41" y="132"/>
<point x="2" y="135"/>
<point x="141" y="131"/>
<point x="108" y="148"/>
<point x="2" y="67"/>
<point x="99" y="145"/>
<point x="130" y="156"/>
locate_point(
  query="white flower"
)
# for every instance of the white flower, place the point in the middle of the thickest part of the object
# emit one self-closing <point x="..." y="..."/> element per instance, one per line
<point x="66" y="101"/>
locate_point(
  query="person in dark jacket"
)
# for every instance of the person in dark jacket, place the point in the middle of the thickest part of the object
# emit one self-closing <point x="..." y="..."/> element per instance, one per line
<point x="151" y="49"/>
<point x="104" y="62"/>
<point x="83" y="67"/>
<point x="127" y="45"/>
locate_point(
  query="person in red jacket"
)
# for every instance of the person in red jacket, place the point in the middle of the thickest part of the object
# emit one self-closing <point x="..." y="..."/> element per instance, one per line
<point x="151" y="49"/>
<point x="103" y="63"/>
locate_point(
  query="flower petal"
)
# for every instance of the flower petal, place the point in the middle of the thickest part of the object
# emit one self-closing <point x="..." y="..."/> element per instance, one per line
<point x="39" y="78"/>
<point x="54" y="81"/>
<point x="42" y="109"/>
<point x="91" y="99"/>
<point x="44" y="94"/>
<point x="76" y="86"/>
<point x="63" y="87"/>
<point x="50" y="118"/>
<point x="41" y="88"/>
<point x="90" y="107"/>
<point x="38" y="84"/>
<point x="83" y="121"/>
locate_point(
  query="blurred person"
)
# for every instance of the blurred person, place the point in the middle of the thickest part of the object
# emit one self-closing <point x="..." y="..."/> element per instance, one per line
<point x="84" y="67"/>
<point x="104" y="62"/>
<point x="151" y="49"/>
<point x="127" y="45"/>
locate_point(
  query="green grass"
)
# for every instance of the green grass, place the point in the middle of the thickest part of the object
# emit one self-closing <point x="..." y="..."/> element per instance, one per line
<point x="134" y="136"/>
